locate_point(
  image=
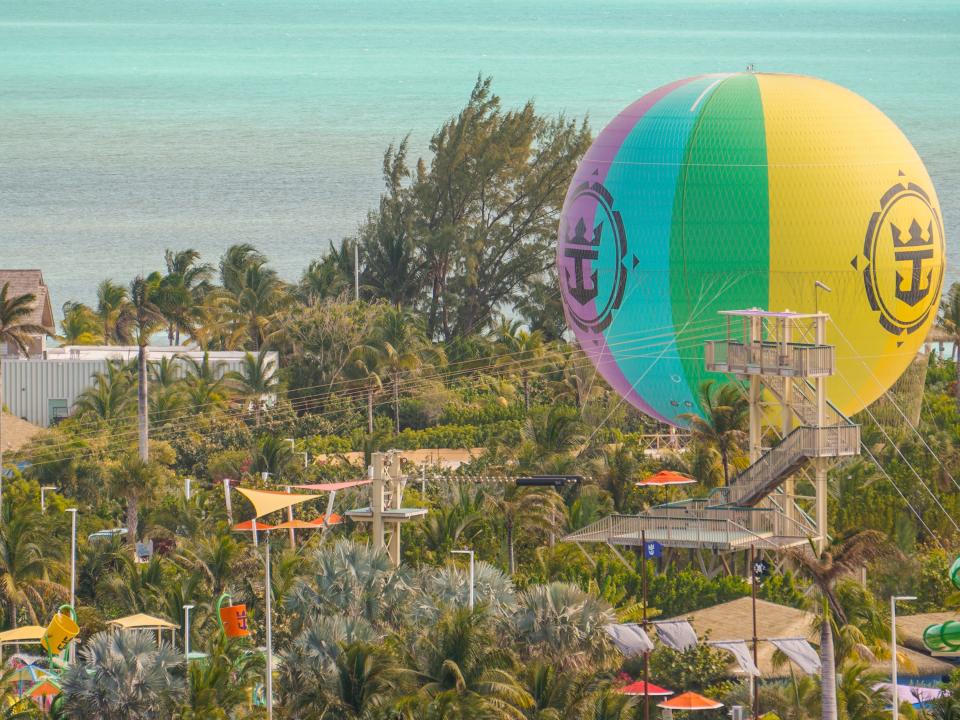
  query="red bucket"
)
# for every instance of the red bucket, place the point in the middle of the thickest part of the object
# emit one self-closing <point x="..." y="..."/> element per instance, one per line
<point x="234" y="619"/>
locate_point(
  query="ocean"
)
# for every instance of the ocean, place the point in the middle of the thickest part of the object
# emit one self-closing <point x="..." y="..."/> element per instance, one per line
<point x="130" y="126"/>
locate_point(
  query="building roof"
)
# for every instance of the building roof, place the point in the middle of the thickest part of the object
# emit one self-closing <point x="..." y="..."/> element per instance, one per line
<point x="25" y="634"/>
<point x="142" y="621"/>
<point x="734" y="621"/>
<point x="31" y="281"/>
<point x="17" y="432"/>
<point x="910" y="627"/>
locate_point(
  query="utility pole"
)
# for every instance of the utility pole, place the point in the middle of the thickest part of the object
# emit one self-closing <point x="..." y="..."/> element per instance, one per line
<point x="226" y="495"/>
<point x="646" y="654"/>
<point x="753" y="600"/>
<point x="356" y="271"/>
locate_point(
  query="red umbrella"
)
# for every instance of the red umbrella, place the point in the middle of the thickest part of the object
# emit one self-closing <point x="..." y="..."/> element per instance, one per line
<point x="666" y="478"/>
<point x="690" y="701"/>
<point x="636" y="688"/>
<point x="247" y="526"/>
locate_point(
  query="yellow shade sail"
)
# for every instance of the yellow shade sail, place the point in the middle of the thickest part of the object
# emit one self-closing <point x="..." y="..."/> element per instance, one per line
<point x="268" y="501"/>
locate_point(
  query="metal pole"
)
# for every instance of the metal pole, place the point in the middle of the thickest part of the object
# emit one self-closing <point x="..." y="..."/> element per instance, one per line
<point x="293" y="536"/>
<point x="268" y="593"/>
<point x="186" y="633"/>
<point x="423" y="480"/>
<point x="73" y="566"/>
<point x="43" y="497"/>
<point x="753" y="603"/>
<point x="186" y="488"/>
<point x="356" y="271"/>
<point x="894" y="692"/>
<point x="226" y="495"/>
<point x="646" y="655"/>
<point x="472" y="574"/>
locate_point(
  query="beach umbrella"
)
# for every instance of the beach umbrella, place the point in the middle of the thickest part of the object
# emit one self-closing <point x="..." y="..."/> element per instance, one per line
<point x="690" y="701"/>
<point x="637" y="688"/>
<point x="43" y="688"/>
<point x="247" y="526"/>
<point x="666" y="478"/>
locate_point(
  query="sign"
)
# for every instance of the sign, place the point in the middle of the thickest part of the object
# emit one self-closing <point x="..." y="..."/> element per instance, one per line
<point x="652" y="550"/>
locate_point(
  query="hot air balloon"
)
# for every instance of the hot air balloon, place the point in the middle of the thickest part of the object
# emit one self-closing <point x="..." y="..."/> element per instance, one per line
<point x="748" y="190"/>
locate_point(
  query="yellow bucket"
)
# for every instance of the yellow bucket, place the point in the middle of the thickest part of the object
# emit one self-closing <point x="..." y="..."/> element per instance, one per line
<point x="60" y="632"/>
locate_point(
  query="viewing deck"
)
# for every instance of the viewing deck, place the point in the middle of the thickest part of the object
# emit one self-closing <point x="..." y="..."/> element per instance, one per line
<point x="770" y="358"/>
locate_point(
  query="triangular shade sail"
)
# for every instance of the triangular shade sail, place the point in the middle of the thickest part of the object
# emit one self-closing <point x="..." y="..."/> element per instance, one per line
<point x="268" y="501"/>
<point x="637" y="688"/>
<point x="330" y="487"/>
<point x="666" y="477"/>
<point x="334" y="519"/>
<point x="690" y="701"/>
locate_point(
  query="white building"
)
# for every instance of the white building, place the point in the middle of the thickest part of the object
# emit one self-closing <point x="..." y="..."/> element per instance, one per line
<point x="43" y="390"/>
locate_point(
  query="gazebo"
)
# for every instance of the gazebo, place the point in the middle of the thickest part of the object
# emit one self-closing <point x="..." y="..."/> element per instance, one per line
<point x="26" y="635"/>
<point x="142" y="621"/>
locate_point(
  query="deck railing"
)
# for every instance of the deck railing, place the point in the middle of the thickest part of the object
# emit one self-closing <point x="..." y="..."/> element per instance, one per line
<point x="770" y="358"/>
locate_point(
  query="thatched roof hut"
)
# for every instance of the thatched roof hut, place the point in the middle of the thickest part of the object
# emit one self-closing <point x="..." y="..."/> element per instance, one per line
<point x="734" y="621"/>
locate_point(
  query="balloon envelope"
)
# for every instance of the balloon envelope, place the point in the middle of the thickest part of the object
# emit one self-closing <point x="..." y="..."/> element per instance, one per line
<point x="733" y="191"/>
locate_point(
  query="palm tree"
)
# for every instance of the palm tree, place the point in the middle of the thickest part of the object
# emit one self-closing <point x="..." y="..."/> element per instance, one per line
<point x="525" y="509"/>
<point x="722" y="427"/>
<point x="135" y="479"/>
<point x="109" y="397"/>
<point x="258" y="299"/>
<point x="206" y="386"/>
<point x="22" y="583"/>
<point x="364" y="367"/>
<point x="144" y="317"/>
<point x="467" y="668"/>
<point x="218" y="687"/>
<point x="565" y="625"/>
<point x="521" y="351"/>
<point x="617" y="470"/>
<point x="122" y="676"/>
<point x="403" y="348"/>
<point x="256" y="381"/>
<point x="950" y="321"/>
<point x="234" y="264"/>
<point x="111" y="301"/>
<point x="181" y="290"/>
<point x="15" y="332"/>
<point x="824" y="571"/>
<point x="80" y="325"/>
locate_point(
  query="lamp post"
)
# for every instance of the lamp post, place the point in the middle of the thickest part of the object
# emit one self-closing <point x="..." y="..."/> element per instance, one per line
<point x="73" y="565"/>
<point x="471" y="554"/>
<point x="186" y="488"/>
<point x="43" y="497"/>
<point x="268" y="593"/>
<point x="893" y="651"/>
<point x="186" y="633"/>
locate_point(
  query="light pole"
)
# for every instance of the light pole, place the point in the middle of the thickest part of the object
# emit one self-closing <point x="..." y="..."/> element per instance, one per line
<point x="43" y="497"/>
<point x="73" y="565"/>
<point x="186" y="633"/>
<point x="268" y="593"/>
<point x="893" y="651"/>
<point x="471" y="554"/>
<point x="186" y="488"/>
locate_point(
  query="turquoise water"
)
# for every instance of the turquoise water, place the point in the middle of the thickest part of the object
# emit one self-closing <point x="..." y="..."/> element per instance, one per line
<point x="131" y="126"/>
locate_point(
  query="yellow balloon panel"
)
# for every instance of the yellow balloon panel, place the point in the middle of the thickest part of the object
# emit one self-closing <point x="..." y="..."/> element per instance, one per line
<point x="851" y="205"/>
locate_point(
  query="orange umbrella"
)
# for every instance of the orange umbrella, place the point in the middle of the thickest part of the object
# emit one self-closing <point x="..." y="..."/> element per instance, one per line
<point x="247" y="526"/>
<point x="690" y="701"/>
<point x="637" y="688"/>
<point x="666" y="478"/>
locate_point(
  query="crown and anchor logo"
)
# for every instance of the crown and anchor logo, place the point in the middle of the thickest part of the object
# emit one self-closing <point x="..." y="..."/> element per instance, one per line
<point x="592" y="303"/>
<point x="904" y="236"/>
